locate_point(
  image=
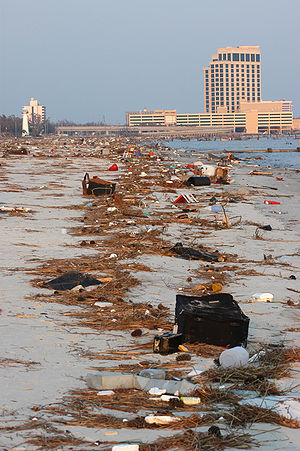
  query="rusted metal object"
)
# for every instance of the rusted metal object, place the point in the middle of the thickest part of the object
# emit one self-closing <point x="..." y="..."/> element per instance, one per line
<point x="96" y="186"/>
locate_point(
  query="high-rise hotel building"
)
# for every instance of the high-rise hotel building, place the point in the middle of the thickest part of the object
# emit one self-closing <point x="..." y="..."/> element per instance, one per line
<point x="233" y="76"/>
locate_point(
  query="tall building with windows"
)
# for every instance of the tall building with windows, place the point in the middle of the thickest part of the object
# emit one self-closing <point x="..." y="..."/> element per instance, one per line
<point x="233" y="76"/>
<point x="35" y="111"/>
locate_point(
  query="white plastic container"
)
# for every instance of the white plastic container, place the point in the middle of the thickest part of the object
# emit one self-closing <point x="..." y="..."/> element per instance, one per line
<point x="234" y="357"/>
<point x="208" y="170"/>
<point x="261" y="297"/>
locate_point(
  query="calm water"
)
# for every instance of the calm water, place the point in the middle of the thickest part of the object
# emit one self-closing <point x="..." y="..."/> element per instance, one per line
<point x="272" y="159"/>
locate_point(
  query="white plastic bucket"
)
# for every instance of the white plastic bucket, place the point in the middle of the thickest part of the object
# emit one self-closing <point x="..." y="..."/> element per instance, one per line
<point x="234" y="357"/>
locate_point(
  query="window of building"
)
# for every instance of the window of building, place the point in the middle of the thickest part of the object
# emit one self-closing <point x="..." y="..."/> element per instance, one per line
<point x="226" y="65"/>
<point x="247" y="57"/>
<point x="258" y="98"/>
<point x="248" y="66"/>
<point x="257" y="58"/>
<point x="220" y="56"/>
<point x="242" y="57"/>
<point x="235" y="57"/>
<point x="228" y="56"/>
<point x="252" y="57"/>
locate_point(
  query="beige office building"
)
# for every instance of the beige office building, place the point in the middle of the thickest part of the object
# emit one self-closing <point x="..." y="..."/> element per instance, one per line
<point x="35" y="111"/>
<point x="233" y="76"/>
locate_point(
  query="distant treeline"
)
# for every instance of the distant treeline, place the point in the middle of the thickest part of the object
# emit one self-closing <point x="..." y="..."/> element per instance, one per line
<point x="12" y="126"/>
<point x="70" y="123"/>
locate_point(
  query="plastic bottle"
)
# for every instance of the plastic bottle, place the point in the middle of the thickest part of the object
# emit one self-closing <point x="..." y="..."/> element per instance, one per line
<point x="153" y="373"/>
<point x="271" y="202"/>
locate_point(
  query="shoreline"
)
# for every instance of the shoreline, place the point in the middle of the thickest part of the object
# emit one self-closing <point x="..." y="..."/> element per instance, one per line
<point x="158" y="274"/>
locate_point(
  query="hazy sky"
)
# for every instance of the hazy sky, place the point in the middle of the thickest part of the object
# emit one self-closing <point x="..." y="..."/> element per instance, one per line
<point x="86" y="59"/>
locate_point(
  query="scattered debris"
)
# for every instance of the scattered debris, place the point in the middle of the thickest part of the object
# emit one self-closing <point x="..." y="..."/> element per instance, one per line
<point x="188" y="253"/>
<point x="70" y="280"/>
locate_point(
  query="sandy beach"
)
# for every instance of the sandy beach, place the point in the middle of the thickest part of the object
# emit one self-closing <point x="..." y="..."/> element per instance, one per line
<point x="52" y="339"/>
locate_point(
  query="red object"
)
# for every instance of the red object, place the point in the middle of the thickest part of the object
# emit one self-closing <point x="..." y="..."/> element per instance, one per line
<point x="189" y="166"/>
<point x="271" y="202"/>
<point x="130" y="169"/>
<point x="180" y="200"/>
<point x="279" y="178"/>
<point x="114" y="167"/>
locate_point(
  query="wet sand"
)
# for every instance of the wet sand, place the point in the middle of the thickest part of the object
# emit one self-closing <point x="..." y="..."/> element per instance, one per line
<point x="45" y="353"/>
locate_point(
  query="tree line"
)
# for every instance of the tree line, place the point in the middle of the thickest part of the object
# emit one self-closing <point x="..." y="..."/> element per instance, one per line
<point x="12" y="126"/>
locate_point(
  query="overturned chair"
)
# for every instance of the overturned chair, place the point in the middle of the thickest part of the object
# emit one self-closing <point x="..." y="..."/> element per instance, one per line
<point x="95" y="186"/>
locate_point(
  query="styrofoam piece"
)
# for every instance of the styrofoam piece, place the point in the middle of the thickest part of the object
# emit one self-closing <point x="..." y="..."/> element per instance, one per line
<point x="157" y="391"/>
<point x="125" y="447"/>
<point x="161" y="419"/>
<point x="234" y="357"/>
<point x="261" y="297"/>
<point x="105" y="393"/>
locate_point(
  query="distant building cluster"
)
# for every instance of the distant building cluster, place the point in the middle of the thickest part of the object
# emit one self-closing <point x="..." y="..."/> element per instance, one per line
<point x="232" y="98"/>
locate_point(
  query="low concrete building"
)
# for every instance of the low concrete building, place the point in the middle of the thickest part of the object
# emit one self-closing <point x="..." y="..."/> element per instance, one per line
<point x="272" y="118"/>
<point x="146" y="117"/>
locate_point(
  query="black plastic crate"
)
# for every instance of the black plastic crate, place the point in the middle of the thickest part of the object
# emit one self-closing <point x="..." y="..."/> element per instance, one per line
<point x="167" y="343"/>
<point x="215" y="319"/>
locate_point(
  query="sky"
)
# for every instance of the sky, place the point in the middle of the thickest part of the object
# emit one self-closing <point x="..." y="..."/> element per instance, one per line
<point x="93" y="60"/>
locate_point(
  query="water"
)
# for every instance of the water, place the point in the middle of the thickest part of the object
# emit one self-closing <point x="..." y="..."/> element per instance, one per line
<point x="272" y="159"/>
